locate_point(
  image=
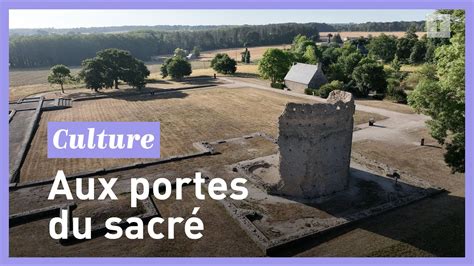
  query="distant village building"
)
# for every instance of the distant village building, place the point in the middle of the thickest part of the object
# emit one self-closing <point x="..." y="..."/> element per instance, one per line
<point x="302" y="76"/>
<point x="191" y="56"/>
<point x="324" y="39"/>
<point x="352" y="38"/>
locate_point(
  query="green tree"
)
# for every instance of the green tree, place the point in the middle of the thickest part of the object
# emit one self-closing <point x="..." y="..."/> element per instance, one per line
<point x="329" y="37"/>
<point x="196" y="51"/>
<point x="395" y="91"/>
<point x="418" y="53"/>
<point x="383" y="47"/>
<point x="396" y="64"/>
<point x="431" y="45"/>
<point x="406" y="44"/>
<point x="59" y="74"/>
<point x="177" y="68"/>
<point x="110" y="66"/>
<point x="222" y="63"/>
<point x="92" y="72"/>
<point x="328" y="87"/>
<point x="116" y="62"/>
<point x="300" y="42"/>
<point x="411" y="33"/>
<point x="444" y="99"/>
<point x="329" y="56"/>
<point x="136" y="75"/>
<point x="178" y="52"/>
<point x="243" y="55"/>
<point x="348" y="63"/>
<point x="274" y="65"/>
<point x="369" y="77"/>
<point x="164" y="67"/>
<point x="247" y="57"/>
<point x="404" y="47"/>
<point x="311" y="55"/>
<point x="336" y="72"/>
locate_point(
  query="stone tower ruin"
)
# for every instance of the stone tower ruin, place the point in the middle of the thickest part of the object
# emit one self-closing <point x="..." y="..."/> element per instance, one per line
<point x="315" y="146"/>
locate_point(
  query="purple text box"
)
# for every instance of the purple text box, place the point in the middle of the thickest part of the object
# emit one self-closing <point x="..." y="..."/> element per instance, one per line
<point x="103" y="140"/>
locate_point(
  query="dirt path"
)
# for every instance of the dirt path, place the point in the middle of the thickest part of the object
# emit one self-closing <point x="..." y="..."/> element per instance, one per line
<point x="397" y="128"/>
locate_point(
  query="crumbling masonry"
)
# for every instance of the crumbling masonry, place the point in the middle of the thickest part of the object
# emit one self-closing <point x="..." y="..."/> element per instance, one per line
<point x="315" y="146"/>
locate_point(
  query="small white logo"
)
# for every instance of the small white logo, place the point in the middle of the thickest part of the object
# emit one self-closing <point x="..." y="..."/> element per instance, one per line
<point x="438" y="25"/>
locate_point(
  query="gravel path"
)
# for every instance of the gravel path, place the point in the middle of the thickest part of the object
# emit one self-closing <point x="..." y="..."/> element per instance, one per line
<point x="397" y="128"/>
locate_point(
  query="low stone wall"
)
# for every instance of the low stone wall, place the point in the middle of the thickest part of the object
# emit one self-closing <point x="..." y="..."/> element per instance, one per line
<point x="16" y="160"/>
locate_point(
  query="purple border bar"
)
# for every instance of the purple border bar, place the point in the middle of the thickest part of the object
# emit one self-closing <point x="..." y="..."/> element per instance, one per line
<point x="232" y="4"/>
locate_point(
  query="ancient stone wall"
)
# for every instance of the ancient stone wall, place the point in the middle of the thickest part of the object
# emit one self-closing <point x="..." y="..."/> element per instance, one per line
<point x="315" y="146"/>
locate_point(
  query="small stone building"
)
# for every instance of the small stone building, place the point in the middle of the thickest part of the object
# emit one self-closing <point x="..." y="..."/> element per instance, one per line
<point x="302" y="76"/>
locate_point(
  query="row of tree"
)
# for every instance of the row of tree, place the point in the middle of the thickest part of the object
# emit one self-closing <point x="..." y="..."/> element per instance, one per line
<point x="105" y="70"/>
<point x="367" y="26"/>
<point x="407" y="49"/>
<point x="49" y="49"/>
<point x="71" y="49"/>
<point x="346" y="65"/>
<point x="440" y="93"/>
<point x="381" y="26"/>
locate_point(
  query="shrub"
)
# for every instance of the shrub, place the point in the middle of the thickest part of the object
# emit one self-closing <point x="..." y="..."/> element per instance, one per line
<point x="277" y="85"/>
<point x="223" y="64"/>
<point x="176" y="67"/>
<point x="370" y="77"/>
<point x="311" y="91"/>
<point x="395" y="92"/>
<point x="327" y="88"/>
<point x="274" y="64"/>
<point x="396" y="64"/>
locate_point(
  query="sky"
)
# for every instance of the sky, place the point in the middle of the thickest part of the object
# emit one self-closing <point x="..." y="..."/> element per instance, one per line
<point x="102" y="18"/>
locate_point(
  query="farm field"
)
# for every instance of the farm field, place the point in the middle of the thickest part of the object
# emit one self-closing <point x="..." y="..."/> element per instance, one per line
<point x="186" y="117"/>
<point x="155" y="85"/>
<point x="23" y="77"/>
<point x="250" y="70"/>
<point x="255" y="52"/>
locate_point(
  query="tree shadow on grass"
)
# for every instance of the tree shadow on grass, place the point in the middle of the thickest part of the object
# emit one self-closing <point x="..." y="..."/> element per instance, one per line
<point x="201" y="80"/>
<point x="246" y="75"/>
<point x="129" y="94"/>
<point x="158" y="81"/>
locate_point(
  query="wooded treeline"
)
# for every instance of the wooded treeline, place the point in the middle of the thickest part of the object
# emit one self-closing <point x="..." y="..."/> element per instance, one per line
<point x="45" y="50"/>
<point x="71" y="49"/>
<point x="381" y="26"/>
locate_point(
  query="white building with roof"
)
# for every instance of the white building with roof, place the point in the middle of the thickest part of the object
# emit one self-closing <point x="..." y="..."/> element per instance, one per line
<point x="302" y="76"/>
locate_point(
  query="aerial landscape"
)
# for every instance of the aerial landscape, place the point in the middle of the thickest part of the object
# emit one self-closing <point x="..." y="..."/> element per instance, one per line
<point x="350" y="134"/>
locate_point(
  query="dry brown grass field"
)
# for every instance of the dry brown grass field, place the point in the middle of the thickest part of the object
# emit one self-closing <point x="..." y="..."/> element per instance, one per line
<point x="24" y="83"/>
<point x="22" y="77"/>
<point x="397" y="107"/>
<point x="185" y="116"/>
<point x="242" y="70"/>
<point x="255" y="52"/>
